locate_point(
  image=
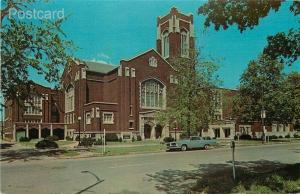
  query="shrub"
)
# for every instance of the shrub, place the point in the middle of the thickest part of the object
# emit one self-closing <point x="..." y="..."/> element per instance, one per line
<point x="296" y="136"/>
<point x="24" y="139"/>
<point x="280" y="136"/>
<point x="245" y="137"/>
<point x="260" y="189"/>
<point x="288" y="136"/>
<point x="111" y="137"/>
<point x="43" y="144"/>
<point x="52" y="138"/>
<point x="291" y="186"/>
<point x="239" y="188"/>
<point x="273" y="137"/>
<point x="69" y="138"/>
<point x="275" y="182"/>
<point x="168" y="139"/>
<point x="133" y="139"/>
<point x="235" y="137"/>
<point x="138" y="138"/>
<point x="207" y="138"/>
<point x="77" y="138"/>
<point x="87" y="141"/>
<point x="99" y="142"/>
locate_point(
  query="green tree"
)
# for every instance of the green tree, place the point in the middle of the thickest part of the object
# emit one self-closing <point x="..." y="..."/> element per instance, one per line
<point x="189" y="102"/>
<point x="26" y="45"/>
<point x="264" y="86"/>
<point x="284" y="46"/>
<point x="291" y="97"/>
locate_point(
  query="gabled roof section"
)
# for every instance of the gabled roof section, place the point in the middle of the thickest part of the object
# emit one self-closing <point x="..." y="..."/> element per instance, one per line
<point x="150" y="50"/>
<point x="99" y="67"/>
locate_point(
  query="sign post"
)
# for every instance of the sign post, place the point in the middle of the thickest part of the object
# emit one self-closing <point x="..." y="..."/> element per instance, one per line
<point x="103" y="141"/>
<point x="232" y="145"/>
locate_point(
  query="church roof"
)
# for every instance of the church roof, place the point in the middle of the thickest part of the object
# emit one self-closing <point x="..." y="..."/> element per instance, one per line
<point x="99" y="67"/>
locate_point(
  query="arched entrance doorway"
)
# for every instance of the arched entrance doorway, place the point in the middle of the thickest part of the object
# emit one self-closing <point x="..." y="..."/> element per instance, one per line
<point x="60" y="133"/>
<point x="45" y="132"/>
<point x="33" y="133"/>
<point x="147" y="131"/>
<point x="21" y="132"/>
<point x="158" y="130"/>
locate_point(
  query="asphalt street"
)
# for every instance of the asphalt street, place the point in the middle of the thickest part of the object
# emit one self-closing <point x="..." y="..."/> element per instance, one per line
<point x="170" y="172"/>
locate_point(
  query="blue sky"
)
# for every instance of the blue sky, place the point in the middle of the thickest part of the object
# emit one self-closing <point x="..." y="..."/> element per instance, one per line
<point x="114" y="30"/>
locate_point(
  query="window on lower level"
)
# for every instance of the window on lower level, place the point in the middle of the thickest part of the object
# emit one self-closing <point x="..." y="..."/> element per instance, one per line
<point x="131" y="125"/>
<point x="88" y="118"/>
<point x="108" y="118"/>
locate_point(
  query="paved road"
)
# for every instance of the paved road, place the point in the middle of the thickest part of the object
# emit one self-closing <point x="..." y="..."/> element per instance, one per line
<point x="171" y="172"/>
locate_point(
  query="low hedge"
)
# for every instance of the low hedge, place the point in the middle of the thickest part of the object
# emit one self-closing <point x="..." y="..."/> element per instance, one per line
<point x="99" y="142"/>
<point x="245" y="137"/>
<point x="43" y="144"/>
<point x="87" y="141"/>
<point x="111" y="137"/>
<point x="138" y="138"/>
<point x="24" y="139"/>
<point x="168" y="139"/>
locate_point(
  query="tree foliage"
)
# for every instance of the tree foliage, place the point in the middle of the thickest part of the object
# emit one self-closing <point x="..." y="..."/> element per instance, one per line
<point x="189" y="102"/>
<point x="246" y="15"/>
<point x="265" y="86"/>
<point x="38" y="45"/>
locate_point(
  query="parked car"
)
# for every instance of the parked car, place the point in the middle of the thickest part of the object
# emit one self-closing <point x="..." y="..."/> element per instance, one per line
<point x="193" y="142"/>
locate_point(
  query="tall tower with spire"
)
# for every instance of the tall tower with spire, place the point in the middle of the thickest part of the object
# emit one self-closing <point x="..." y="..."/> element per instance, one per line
<point x="175" y="34"/>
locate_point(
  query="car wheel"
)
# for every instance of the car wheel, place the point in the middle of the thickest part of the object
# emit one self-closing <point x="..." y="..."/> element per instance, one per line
<point x="206" y="147"/>
<point x="183" y="148"/>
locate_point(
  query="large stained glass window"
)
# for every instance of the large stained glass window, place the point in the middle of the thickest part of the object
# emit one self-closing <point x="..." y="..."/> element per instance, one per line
<point x="152" y="94"/>
<point x="69" y="99"/>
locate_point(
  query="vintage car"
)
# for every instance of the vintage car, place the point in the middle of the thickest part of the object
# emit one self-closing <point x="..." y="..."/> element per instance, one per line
<point x="193" y="142"/>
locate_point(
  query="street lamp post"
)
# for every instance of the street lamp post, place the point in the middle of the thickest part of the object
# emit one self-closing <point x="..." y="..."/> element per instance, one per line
<point x="79" y="119"/>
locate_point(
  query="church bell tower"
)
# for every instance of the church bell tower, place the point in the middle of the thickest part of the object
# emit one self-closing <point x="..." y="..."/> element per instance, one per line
<point x="175" y="34"/>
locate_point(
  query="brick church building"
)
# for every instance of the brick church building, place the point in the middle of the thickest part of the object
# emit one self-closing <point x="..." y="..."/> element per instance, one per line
<point x="121" y="99"/>
<point x="95" y="96"/>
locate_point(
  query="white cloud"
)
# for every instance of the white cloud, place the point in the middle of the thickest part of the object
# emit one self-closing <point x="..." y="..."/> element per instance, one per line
<point x="99" y="61"/>
<point x="103" y="56"/>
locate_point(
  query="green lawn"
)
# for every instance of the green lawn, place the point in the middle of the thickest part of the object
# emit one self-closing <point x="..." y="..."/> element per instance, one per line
<point x="258" y="142"/>
<point x="264" y="177"/>
<point x="111" y="151"/>
<point x="129" y="142"/>
<point x="70" y="153"/>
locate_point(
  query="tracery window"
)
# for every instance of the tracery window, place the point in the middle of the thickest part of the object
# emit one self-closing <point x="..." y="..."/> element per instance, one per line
<point x="69" y="99"/>
<point x="152" y="94"/>
<point x="184" y="43"/>
<point x="33" y="106"/>
<point x="165" y="44"/>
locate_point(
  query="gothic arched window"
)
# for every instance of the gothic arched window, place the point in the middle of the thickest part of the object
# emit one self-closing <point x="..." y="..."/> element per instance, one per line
<point x="165" y="44"/>
<point x="69" y="99"/>
<point x="184" y="43"/>
<point x="152" y="94"/>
